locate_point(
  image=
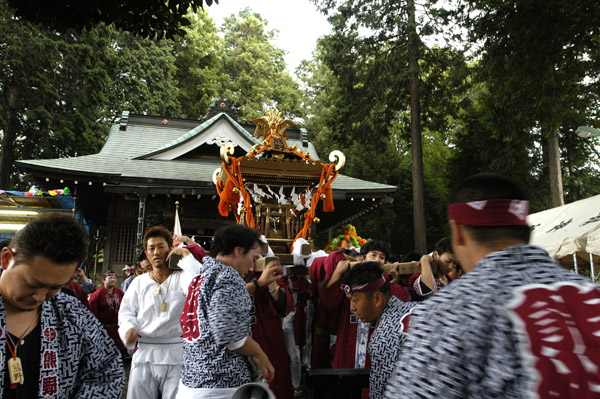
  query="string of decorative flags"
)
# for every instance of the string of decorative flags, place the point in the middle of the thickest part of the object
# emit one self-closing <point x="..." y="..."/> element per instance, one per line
<point x="34" y="191"/>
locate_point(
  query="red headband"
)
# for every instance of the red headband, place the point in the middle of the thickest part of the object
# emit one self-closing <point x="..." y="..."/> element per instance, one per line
<point x="372" y="286"/>
<point x="494" y="212"/>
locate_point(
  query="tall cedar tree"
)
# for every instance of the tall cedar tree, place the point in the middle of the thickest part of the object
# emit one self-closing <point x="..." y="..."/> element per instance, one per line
<point x="154" y="19"/>
<point x="538" y="59"/>
<point x="377" y="53"/>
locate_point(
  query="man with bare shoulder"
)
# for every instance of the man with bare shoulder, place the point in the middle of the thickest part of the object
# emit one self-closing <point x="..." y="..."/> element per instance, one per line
<point x="50" y="344"/>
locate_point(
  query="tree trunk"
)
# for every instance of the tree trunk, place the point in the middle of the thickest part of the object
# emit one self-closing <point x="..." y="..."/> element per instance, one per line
<point x="8" y="140"/>
<point x="554" y="171"/>
<point x="415" y="129"/>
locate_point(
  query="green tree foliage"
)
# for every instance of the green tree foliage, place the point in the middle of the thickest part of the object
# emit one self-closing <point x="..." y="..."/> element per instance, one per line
<point x="256" y="75"/>
<point x="142" y="75"/>
<point x="320" y="103"/>
<point x="59" y="93"/>
<point x="383" y="154"/>
<point x="479" y="149"/>
<point x="45" y="102"/>
<point x="154" y="19"/>
<point x="199" y="66"/>
<point x="369" y="58"/>
<point x="538" y="62"/>
<point x="538" y="70"/>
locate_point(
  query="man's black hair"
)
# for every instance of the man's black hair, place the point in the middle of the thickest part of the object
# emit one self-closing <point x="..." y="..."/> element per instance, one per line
<point x="443" y="245"/>
<point x="157" y="232"/>
<point x="394" y="258"/>
<point x="411" y="257"/>
<point x="351" y="252"/>
<point x="57" y="237"/>
<point x="227" y="238"/>
<point x="364" y="273"/>
<point x="106" y="273"/>
<point x="141" y="257"/>
<point x="373" y="245"/>
<point x="486" y="186"/>
<point x="4" y="243"/>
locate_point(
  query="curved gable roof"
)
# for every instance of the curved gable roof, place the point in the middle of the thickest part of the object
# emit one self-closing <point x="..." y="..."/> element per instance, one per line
<point x="135" y="153"/>
<point x="219" y="129"/>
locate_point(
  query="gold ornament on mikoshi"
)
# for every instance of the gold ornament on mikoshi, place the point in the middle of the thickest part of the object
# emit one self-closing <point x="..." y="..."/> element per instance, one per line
<point x="271" y="123"/>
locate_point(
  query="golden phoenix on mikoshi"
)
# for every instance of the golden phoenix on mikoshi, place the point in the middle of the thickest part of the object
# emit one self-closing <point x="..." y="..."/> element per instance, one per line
<point x="275" y="188"/>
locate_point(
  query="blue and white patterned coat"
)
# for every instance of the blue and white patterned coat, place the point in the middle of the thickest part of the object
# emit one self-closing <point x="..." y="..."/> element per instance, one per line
<point x="386" y="344"/>
<point x="78" y="358"/>
<point x="517" y="326"/>
<point x="216" y="314"/>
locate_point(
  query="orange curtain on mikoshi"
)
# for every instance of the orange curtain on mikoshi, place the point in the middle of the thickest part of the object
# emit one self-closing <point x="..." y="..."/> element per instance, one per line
<point x="229" y="197"/>
<point x="328" y="175"/>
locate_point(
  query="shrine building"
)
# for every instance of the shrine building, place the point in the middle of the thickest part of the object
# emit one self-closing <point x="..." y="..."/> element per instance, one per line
<point x="149" y="163"/>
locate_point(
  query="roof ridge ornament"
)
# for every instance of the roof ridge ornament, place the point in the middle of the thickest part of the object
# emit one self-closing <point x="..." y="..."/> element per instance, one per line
<point x="222" y="106"/>
<point x="339" y="156"/>
<point x="226" y="150"/>
<point x="124" y="121"/>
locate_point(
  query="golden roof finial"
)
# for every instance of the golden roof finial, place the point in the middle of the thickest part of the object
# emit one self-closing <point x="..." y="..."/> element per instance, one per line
<point x="271" y="123"/>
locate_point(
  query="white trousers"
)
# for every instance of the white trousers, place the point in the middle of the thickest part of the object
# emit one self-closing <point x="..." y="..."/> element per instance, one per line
<point x="294" y="353"/>
<point x="145" y="379"/>
<point x="307" y="349"/>
<point x="204" y="393"/>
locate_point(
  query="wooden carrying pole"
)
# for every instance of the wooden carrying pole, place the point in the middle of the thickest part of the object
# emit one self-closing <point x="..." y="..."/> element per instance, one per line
<point x="404" y="268"/>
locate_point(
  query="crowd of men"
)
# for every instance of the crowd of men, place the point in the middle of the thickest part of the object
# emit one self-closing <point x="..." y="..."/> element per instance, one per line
<point x="514" y="325"/>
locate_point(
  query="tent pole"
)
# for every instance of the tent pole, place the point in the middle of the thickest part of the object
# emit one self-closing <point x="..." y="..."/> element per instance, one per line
<point x="593" y="276"/>
<point x="575" y="262"/>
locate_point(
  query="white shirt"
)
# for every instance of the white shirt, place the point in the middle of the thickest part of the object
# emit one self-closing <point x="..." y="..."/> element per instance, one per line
<point x="160" y="332"/>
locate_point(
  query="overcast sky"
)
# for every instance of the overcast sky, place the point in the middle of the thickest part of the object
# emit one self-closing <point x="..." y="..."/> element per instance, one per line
<point x="298" y="21"/>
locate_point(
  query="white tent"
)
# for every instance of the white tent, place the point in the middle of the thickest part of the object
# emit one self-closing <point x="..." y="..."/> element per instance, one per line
<point x="569" y="229"/>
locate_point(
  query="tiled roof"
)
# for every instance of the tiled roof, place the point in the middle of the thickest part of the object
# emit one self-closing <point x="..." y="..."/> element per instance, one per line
<point x="204" y="127"/>
<point x="121" y="158"/>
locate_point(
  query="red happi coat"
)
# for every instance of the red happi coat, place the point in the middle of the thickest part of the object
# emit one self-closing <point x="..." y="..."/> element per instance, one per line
<point x="79" y="293"/>
<point x="268" y="332"/>
<point x="106" y="308"/>
<point x="323" y="319"/>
